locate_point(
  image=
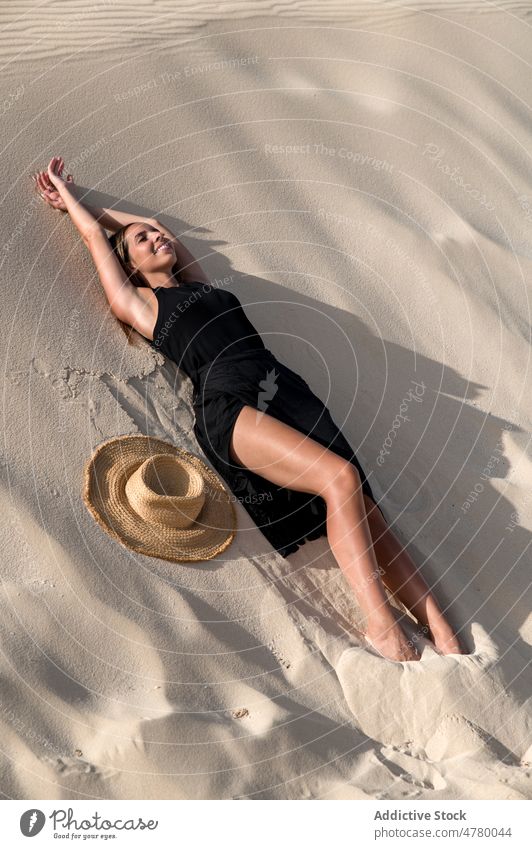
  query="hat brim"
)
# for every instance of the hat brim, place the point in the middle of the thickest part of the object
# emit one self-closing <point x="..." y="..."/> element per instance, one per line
<point x="104" y="493"/>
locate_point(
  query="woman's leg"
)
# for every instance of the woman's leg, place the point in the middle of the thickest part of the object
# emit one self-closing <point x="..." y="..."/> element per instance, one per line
<point x="289" y="458"/>
<point x="406" y="583"/>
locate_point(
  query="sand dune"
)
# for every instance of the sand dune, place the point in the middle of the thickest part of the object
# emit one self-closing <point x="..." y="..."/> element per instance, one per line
<point x="361" y="173"/>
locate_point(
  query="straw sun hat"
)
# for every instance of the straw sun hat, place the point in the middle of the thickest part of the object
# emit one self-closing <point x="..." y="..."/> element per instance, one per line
<point x="158" y="499"/>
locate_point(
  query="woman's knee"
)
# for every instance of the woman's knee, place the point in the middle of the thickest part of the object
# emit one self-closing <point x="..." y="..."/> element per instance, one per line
<point x="287" y="457"/>
<point x="343" y="482"/>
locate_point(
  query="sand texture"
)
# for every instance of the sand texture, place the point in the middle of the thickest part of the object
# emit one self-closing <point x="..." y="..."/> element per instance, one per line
<point x="359" y="174"/>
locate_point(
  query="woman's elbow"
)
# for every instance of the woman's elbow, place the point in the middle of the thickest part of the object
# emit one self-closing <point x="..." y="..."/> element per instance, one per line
<point x="93" y="234"/>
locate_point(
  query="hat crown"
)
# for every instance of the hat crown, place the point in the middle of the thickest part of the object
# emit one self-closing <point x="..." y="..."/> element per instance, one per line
<point x="160" y="508"/>
<point x="167" y="490"/>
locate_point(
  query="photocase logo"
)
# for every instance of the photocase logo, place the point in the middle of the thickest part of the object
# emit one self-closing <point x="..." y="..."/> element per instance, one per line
<point x="32" y="822"/>
<point x="269" y="388"/>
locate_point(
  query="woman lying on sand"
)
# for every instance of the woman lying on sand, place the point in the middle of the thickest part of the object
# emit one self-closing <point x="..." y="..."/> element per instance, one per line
<point x="144" y="270"/>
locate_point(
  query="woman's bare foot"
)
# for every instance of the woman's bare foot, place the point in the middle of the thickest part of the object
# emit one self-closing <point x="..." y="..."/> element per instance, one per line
<point x="444" y="638"/>
<point x="387" y="636"/>
<point x="437" y="629"/>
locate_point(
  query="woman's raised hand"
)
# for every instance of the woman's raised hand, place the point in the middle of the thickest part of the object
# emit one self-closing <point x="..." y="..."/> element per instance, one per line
<point x="55" y="172"/>
<point x="48" y="183"/>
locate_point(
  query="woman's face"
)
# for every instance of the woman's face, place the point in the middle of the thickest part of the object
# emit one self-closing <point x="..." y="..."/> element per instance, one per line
<point x="148" y="249"/>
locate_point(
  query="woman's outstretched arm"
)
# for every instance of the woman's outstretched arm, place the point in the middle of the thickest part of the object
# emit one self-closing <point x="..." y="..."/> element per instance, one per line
<point x="121" y="294"/>
<point x="111" y="219"/>
<point x="114" y="219"/>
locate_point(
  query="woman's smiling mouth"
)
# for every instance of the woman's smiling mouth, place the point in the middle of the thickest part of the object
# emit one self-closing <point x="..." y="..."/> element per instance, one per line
<point x="162" y="247"/>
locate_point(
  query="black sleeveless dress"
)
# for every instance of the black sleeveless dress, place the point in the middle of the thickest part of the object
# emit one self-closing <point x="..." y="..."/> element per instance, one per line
<point x="205" y="331"/>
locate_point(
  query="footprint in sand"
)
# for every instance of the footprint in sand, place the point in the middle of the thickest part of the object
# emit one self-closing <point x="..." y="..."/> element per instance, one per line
<point x="67" y="382"/>
<point x="70" y="766"/>
<point x="407" y="768"/>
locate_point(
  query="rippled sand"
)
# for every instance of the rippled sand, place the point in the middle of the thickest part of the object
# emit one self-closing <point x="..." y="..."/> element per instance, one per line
<point x="360" y="173"/>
